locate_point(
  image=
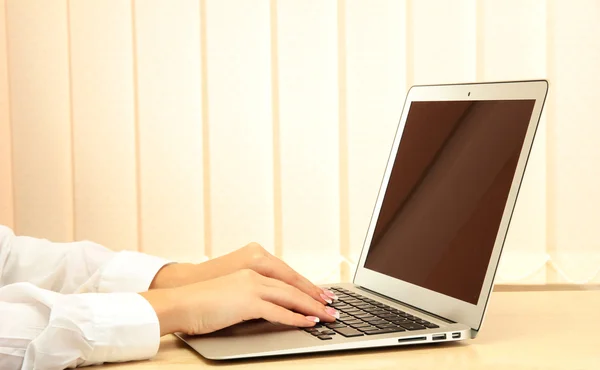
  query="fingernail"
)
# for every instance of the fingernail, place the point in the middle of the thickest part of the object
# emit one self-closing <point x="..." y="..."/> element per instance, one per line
<point x="312" y="318"/>
<point x="330" y="294"/>
<point x="326" y="298"/>
<point x="332" y="312"/>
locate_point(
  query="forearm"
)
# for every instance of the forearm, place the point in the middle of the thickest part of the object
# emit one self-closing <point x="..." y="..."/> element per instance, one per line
<point x="176" y="275"/>
<point x="180" y="274"/>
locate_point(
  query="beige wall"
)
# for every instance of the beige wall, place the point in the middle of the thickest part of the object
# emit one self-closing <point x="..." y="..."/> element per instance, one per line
<point x="187" y="128"/>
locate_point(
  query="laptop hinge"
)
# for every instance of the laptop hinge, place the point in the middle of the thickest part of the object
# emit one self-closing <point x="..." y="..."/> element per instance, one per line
<point x="406" y="304"/>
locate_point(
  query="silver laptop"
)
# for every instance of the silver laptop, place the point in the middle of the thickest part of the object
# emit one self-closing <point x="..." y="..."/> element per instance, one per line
<point x="432" y="248"/>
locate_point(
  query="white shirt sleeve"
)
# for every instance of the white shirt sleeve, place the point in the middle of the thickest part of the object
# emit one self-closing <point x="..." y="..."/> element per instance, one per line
<point x="43" y="325"/>
<point x="73" y="267"/>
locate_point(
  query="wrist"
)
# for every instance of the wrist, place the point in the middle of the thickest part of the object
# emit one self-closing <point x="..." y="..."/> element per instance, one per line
<point x="166" y="305"/>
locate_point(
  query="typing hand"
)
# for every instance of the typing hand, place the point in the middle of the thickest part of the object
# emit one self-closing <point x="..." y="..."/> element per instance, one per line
<point x="253" y="257"/>
<point x="244" y="295"/>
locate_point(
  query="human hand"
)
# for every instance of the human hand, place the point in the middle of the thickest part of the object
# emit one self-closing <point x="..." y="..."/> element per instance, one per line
<point x="253" y="257"/>
<point x="244" y="295"/>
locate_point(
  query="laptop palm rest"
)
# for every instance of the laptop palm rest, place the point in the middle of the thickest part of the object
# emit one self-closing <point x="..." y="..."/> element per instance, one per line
<point x="252" y="337"/>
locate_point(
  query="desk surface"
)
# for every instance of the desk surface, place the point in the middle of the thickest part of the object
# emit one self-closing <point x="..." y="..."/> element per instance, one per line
<point x="522" y="330"/>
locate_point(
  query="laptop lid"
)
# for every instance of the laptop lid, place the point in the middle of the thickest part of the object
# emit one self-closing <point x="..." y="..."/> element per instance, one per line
<point x="447" y="195"/>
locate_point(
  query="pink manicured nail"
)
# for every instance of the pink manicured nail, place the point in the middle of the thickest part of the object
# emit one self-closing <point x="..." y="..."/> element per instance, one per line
<point x="332" y="312"/>
<point x="330" y="294"/>
<point x="312" y="318"/>
<point x="326" y="298"/>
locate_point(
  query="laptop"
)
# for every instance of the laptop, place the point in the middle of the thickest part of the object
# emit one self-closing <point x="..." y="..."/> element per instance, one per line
<point x="432" y="248"/>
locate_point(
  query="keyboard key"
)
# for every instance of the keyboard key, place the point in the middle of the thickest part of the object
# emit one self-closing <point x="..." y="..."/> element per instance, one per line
<point x="430" y="326"/>
<point x="411" y="326"/>
<point x="324" y="337"/>
<point x="349" y="332"/>
<point x="385" y="326"/>
<point x="315" y="333"/>
<point x="376" y="321"/>
<point x="352" y="322"/>
<point x="384" y="331"/>
<point x="361" y="325"/>
<point x="379" y="312"/>
<point x="367" y="328"/>
<point x="335" y="325"/>
<point x="328" y="332"/>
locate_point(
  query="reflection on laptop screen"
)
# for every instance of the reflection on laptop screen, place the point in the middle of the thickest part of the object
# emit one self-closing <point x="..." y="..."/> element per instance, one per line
<point x="447" y="192"/>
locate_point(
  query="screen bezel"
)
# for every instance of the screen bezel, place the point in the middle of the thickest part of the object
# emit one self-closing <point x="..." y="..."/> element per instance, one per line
<point x="433" y="302"/>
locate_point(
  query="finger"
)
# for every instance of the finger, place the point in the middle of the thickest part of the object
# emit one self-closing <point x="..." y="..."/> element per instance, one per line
<point x="278" y="314"/>
<point x="275" y="268"/>
<point x="292" y="298"/>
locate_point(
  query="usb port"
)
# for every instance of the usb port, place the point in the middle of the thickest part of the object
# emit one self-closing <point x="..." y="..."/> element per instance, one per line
<point x="455" y="335"/>
<point x="438" y="337"/>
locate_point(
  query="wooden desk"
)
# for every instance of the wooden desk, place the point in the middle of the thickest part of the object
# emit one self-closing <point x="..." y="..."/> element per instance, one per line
<point x="522" y="330"/>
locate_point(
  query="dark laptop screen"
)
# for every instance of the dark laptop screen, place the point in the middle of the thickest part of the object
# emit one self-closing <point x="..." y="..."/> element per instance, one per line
<point x="447" y="192"/>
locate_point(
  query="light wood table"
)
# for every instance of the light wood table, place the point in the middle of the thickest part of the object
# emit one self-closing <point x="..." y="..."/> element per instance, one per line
<point x="522" y="330"/>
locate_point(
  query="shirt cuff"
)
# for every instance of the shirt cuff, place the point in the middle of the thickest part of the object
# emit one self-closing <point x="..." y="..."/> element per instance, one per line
<point x="117" y="327"/>
<point x="129" y="272"/>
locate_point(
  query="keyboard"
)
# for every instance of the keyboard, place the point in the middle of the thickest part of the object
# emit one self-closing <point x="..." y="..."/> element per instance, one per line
<point x="362" y="316"/>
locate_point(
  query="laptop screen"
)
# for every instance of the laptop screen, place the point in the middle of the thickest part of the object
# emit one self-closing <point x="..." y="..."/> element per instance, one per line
<point x="447" y="192"/>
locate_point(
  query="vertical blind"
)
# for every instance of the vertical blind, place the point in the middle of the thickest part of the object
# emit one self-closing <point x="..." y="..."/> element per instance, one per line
<point x="188" y="128"/>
